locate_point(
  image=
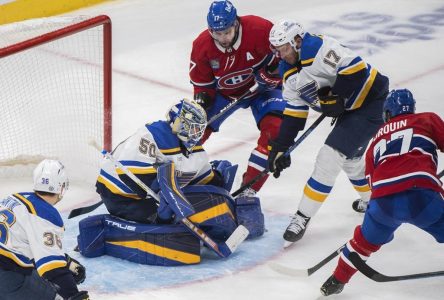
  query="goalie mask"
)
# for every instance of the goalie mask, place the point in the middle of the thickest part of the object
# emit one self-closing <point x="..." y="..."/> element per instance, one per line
<point x="188" y="121"/>
<point x="50" y="176"/>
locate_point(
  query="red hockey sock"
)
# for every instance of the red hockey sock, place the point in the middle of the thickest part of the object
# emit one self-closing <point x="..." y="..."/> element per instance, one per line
<point x="252" y="171"/>
<point x="269" y="127"/>
<point x="345" y="269"/>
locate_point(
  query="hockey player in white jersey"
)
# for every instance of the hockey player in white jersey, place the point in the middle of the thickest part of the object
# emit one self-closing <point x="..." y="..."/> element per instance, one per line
<point x="33" y="264"/>
<point x="320" y="73"/>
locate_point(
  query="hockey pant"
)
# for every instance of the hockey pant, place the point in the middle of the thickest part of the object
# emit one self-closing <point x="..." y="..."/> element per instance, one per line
<point x="329" y="163"/>
<point x="269" y="129"/>
<point x="422" y="208"/>
<point x="17" y="286"/>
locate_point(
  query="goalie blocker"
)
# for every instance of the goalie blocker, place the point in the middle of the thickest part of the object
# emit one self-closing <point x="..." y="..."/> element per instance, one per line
<point x="171" y="244"/>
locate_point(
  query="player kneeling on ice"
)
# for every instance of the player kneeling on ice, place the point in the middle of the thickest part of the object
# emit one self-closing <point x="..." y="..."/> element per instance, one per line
<point x="32" y="262"/>
<point x="401" y="164"/>
<point x="164" y="160"/>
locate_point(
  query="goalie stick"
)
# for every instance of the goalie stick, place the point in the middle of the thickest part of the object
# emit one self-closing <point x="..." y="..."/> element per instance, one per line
<point x="84" y="210"/>
<point x="223" y="249"/>
<point x="371" y="273"/>
<point x="304" y="272"/>
<point x="295" y="144"/>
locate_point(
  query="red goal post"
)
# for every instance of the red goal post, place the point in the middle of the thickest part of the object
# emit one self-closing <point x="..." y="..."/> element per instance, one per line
<point x="55" y="94"/>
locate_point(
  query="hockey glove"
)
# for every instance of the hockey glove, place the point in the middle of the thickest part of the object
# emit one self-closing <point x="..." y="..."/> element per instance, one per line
<point x="277" y="161"/>
<point x="83" y="295"/>
<point x="331" y="105"/>
<point x="77" y="270"/>
<point x="204" y="100"/>
<point x="266" y="80"/>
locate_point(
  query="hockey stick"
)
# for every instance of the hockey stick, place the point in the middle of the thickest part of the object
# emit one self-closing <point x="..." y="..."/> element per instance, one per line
<point x="233" y="104"/>
<point x="84" y="210"/>
<point x="440" y="174"/>
<point x="304" y="272"/>
<point x="371" y="273"/>
<point x="266" y="170"/>
<point x="223" y="249"/>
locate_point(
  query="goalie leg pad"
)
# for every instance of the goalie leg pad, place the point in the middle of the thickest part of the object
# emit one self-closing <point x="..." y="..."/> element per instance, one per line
<point x="214" y="211"/>
<point x="149" y="244"/>
<point x="249" y="214"/>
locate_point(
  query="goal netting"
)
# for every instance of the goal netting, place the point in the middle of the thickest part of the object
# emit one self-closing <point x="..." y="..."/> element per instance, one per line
<point x="55" y="94"/>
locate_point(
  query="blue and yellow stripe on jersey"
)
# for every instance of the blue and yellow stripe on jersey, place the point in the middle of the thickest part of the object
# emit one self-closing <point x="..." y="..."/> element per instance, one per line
<point x="9" y="257"/>
<point x="310" y="48"/>
<point x="354" y="73"/>
<point x="286" y="70"/>
<point x="50" y="263"/>
<point x="115" y="185"/>
<point x="137" y="167"/>
<point x="316" y="191"/>
<point x="166" y="140"/>
<point x="296" y="111"/>
<point x="39" y="207"/>
<point x="356" y="65"/>
<point x="204" y="178"/>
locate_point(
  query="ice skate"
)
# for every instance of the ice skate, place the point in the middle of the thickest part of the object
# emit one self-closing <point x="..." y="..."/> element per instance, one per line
<point x="295" y="231"/>
<point x="360" y="205"/>
<point x="332" y="286"/>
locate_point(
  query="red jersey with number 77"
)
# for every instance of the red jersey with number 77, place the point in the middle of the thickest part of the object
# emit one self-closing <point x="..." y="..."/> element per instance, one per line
<point x="230" y="71"/>
<point x="403" y="154"/>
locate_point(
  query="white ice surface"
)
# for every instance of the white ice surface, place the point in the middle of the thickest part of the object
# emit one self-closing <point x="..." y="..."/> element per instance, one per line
<point x="151" y="46"/>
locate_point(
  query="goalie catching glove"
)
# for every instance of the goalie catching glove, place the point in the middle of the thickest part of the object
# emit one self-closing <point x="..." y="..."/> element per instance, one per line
<point x="77" y="270"/>
<point x="332" y="105"/>
<point x="277" y="161"/>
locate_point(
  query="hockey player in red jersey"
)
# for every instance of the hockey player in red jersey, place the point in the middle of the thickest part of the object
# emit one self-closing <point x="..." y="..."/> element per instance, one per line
<point x="226" y="61"/>
<point x="401" y="165"/>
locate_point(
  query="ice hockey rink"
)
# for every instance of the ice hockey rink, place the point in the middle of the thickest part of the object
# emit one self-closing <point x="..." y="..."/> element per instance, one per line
<point x="404" y="39"/>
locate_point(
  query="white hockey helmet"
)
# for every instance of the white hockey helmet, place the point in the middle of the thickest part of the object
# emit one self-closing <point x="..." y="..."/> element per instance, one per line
<point x="188" y="120"/>
<point x="50" y="176"/>
<point x="285" y="32"/>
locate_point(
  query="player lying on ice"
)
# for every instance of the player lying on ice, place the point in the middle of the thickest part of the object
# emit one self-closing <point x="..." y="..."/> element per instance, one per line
<point x="33" y="264"/>
<point x="167" y="157"/>
<point x="401" y="164"/>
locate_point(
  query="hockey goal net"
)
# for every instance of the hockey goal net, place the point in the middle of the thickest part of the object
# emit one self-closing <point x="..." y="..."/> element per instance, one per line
<point x="55" y="94"/>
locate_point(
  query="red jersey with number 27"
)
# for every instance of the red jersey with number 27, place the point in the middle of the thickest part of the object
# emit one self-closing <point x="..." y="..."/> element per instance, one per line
<point x="230" y="71"/>
<point x="403" y="154"/>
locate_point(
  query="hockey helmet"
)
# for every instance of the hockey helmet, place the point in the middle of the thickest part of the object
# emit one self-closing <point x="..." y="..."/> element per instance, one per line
<point x="398" y="102"/>
<point x="285" y="32"/>
<point x="50" y="176"/>
<point x="221" y="15"/>
<point x="188" y="121"/>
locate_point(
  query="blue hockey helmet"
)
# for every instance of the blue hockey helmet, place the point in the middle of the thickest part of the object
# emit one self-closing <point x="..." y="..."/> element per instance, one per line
<point x="188" y="121"/>
<point x="221" y="15"/>
<point x="398" y="102"/>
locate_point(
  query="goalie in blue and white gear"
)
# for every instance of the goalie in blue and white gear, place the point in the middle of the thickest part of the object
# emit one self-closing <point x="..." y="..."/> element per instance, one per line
<point x="167" y="156"/>
<point x="33" y="264"/>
